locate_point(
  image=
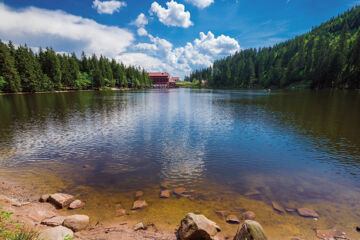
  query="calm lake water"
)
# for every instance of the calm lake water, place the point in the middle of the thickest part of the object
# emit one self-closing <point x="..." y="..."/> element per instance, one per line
<point x="298" y="148"/>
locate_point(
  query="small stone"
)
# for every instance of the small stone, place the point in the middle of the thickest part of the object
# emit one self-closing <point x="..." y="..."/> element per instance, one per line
<point x="196" y="226"/>
<point x="164" y="185"/>
<point x="221" y="214"/>
<point x="138" y="204"/>
<point x="44" y="198"/>
<point x="56" y="233"/>
<point x="120" y="212"/>
<point x="165" y="194"/>
<point x="54" y="221"/>
<point x="306" y="212"/>
<point x="139" y="194"/>
<point x="76" y="222"/>
<point x="330" y="234"/>
<point x="277" y="207"/>
<point x="232" y="219"/>
<point x="118" y="206"/>
<point x="252" y="192"/>
<point x="76" y="204"/>
<point x="249" y="215"/>
<point x="139" y="226"/>
<point x="179" y="191"/>
<point x="86" y="166"/>
<point x="61" y="200"/>
<point x="250" y="230"/>
<point x="290" y="210"/>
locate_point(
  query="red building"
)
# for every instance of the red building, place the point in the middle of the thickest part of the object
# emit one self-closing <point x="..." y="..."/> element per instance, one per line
<point x="163" y="80"/>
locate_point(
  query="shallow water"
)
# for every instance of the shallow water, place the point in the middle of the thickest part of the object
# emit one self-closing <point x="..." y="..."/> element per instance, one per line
<point x="299" y="148"/>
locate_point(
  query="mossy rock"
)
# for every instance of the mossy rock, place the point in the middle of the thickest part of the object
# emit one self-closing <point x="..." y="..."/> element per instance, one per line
<point x="250" y="230"/>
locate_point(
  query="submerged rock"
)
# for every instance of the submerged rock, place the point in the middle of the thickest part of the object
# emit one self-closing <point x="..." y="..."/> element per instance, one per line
<point x="138" y="204"/>
<point x="179" y="191"/>
<point x="56" y="233"/>
<point x="76" y="204"/>
<point x="164" y="185"/>
<point x="44" y="198"/>
<point x="139" y="194"/>
<point x="61" y="200"/>
<point x="252" y="192"/>
<point x="221" y="214"/>
<point x="197" y="227"/>
<point x="232" y="219"/>
<point x="250" y="230"/>
<point x="54" y="221"/>
<point x="249" y="215"/>
<point x="165" y="194"/>
<point x="120" y="212"/>
<point x="76" y="222"/>
<point x="290" y="210"/>
<point x="307" y="212"/>
<point x="330" y="234"/>
<point x="139" y="226"/>
<point x="276" y="206"/>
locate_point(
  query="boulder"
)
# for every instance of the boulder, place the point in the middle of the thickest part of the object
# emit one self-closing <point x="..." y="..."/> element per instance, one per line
<point x="276" y="206"/>
<point x="165" y="194"/>
<point x="330" y="234"/>
<point x="76" y="204"/>
<point x="54" y="221"/>
<point x="61" y="200"/>
<point x="44" y="198"/>
<point x="38" y="214"/>
<point x="179" y="191"/>
<point x="138" y="204"/>
<point x="249" y="215"/>
<point x="76" y="222"/>
<point x="139" y="226"/>
<point x="307" y="212"/>
<point x="56" y="233"/>
<point x="195" y="226"/>
<point x="120" y="212"/>
<point x="139" y="194"/>
<point x="232" y="219"/>
<point x="250" y="230"/>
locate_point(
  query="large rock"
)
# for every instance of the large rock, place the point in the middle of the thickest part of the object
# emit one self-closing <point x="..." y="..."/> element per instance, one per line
<point x="330" y="234"/>
<point x="38" y="214"/>
<point x="76" y="222"/>
<point x="61" y="200"/>
<point x="307" y="212"/>
<point x="76" y="204"/>
<point x="44" y="197"/>
<point x="197" y="227"/>
<point x="54" y="221"/>
<point x="56" y="233"/>
<point x="138" y="204"/>
<point x="250" y="230"/>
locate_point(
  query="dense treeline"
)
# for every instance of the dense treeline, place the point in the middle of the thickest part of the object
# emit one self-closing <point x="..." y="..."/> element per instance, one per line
<point x="23" y="70"/>
<point x="326" y="57"/>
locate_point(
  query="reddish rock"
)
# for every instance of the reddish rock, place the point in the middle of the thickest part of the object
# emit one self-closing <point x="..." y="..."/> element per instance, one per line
<point x="249" y="215"/>
<point x="139" y="194"/>
<point x="39" y="214"/>
<point x="232" y="219"/>
<point x="197" y="226"/>
<point x="164" y="185"/>
<point x="139" y="226"/>
<point x="222" y="214"/>
<point x="179" y="191"/>
<point x="76" y="204"/>
<point x="306" y="212"/>
<point x="165" y="194"/>
<point x="61" y="200"/>
<point x="330" y="234"/>
<point x="138" y="204"/>
<point x="54" y="221"/>
<point x="76" y="222"/>
<point x="44" y="198"/>
<point x="120" y="212"/>
<point x="277" y="207"/>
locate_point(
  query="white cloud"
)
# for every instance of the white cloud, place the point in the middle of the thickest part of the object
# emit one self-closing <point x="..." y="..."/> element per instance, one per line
<point x="108" y="7"/>
<point x="201" y="3"/>
<point x="140" y="21"/>
<point x="58" y="29"/>
<point x="174" y="15"/>
<point x="142" y="32"/>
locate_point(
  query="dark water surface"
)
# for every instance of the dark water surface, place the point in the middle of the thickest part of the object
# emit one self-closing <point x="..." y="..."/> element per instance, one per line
<point x="299" y="148"/>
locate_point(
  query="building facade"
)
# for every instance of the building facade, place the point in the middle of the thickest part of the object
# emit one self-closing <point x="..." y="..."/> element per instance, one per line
<point x="163" y="80"/>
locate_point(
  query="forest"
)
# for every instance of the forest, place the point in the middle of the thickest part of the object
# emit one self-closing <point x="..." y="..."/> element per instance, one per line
<point x="326" y="57"/>
<point x="22" y="70"/>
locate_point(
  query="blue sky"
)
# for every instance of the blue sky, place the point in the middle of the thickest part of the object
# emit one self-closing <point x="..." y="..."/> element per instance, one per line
<point x="174" y="36"/>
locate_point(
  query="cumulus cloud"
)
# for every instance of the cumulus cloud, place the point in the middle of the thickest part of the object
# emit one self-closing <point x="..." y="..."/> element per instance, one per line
<point x="201" y="3"/>
<point x="140" y="21"/>
<point x="142" y="32"/>
<point x="175" y="14"/>
<point x="108" y="7"/>
<point x="39" y="27"/>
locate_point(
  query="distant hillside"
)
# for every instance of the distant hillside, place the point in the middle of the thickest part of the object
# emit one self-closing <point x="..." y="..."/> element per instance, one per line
<point x="326" y="57"/>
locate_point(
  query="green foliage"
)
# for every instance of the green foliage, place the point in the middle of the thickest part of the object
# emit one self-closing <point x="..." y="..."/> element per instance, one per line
<point x="23" y="70"/>
<point x="67" y="237"/>
<point x="326" y="57"/>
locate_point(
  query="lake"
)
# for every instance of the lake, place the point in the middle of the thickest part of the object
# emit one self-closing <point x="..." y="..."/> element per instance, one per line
<point x="297" y="148"/>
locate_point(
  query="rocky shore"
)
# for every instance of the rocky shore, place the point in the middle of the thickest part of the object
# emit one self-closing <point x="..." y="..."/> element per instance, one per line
<point x="52" y="216"/>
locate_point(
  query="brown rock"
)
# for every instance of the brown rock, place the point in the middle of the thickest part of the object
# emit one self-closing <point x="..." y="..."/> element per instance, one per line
<point x="118" y="206"/>
<point x="222" y="214"/>
<point x="277" y="207"/>
<point x="290" y="210"/>
<point x="195" y="226"/>
<point x="250" y="230"/>
<point x="307" y="212"/>
<point x="61" y="199"/>
<point x="76" y="204"/>
<point x="54" y="221"/>
<point x="44" y="198"/>
<point x="252" y="192"/>
<point x="39" y="214"/>
<point x="56" y="233"/>
<point x="180" y="190"/>
<point x="139" y="226"/>
<point x="76" y="222"/>
<point x="120" y="212"/>
<point x="139" y="194"/>
<point x="232" y="219"/>
<point x="330" y="234"/>
<point x="249" y="215"/>
<point x="164" y="185"/>
<point x="165" y="194"/>
<point x="138" y="204"/>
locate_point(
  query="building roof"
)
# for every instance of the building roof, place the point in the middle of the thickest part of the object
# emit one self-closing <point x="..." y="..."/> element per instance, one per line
<point x="164" y="74"/>
<point x="174" y="79"/>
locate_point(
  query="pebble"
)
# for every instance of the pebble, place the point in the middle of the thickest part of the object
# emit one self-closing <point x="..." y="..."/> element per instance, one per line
<point x="139" y="194"/>
<point x="179" y="190"/>
<point x="307" y="212"/>
<point x="232" y="219"/>
<point x="164" y="185"/>
<point x="277" y="207"/>
<point x="139" y="226"/>
<point x="120" y="212"/>
<point x="165" y="194"/>
<point x="138" y="204"/>
<point x="249" y="215"/>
